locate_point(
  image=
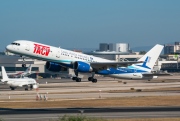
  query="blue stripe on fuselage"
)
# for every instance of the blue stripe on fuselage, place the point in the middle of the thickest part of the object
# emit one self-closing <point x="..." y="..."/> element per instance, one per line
<point x="119" y="71"/>
<point x="144" y="64"/>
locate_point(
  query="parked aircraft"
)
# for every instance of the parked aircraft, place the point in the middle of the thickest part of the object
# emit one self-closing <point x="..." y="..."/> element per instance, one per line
<point x="18" y="82"/>
<point x="57" y="58"/>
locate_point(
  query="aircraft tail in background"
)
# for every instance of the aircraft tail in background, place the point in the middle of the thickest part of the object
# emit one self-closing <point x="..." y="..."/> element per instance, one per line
<point x="150" y="58"/>
<point x="4" y="74"/>
<point x="27" y="72"/>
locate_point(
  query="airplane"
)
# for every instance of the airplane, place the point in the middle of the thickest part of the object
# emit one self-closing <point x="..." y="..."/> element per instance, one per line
<point x="18" y="82"/>
<point x="57" y="58"/>
<point x="25" y="73"/>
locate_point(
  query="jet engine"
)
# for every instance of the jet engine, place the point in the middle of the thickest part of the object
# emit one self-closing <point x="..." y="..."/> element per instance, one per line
<point x="34" y="86"/>
<point x="51" y="66"/>
<point x="82" y="67"/>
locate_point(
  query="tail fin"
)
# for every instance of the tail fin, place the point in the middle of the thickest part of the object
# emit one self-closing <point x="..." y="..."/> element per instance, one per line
<point x="4" y="74"/>
<point x="28" y="70"/>
<point x="150" y="57"/>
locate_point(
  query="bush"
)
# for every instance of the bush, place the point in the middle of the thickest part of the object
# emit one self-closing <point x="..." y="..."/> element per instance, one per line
<point x="132" y="88"/>
<point x="2" y="119"/>
<point x="138" y="90"/>
<point x="124" y="82"/>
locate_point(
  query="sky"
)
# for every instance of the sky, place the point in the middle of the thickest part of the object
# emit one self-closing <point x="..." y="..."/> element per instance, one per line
<point x="86" y="23"/>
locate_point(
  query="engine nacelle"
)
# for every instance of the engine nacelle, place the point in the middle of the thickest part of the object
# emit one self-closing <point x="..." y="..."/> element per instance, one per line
<point x="35" y="86"/>
<point x="51" y="66"/>
<point x="82" y="66"/>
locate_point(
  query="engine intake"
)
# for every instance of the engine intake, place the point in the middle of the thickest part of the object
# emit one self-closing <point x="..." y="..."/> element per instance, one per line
<point x="51" y="66"/>
<point x="82" y="67"/>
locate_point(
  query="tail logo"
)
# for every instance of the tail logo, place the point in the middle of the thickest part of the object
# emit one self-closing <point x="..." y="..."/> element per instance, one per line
<point x="147" y="60"/>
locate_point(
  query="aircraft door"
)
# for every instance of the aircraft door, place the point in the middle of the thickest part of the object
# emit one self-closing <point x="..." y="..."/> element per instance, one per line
<point x="27" y="47"/>
<point x="58" y="53"/>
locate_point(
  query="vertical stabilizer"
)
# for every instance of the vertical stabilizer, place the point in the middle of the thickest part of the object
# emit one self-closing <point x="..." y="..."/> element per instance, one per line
<point x="150" y="57"/>
<point x="28" y="70"/>
<point x="4" y="74"/>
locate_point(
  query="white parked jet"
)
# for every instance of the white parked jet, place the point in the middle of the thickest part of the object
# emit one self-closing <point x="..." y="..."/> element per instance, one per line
<point x="18" y="82"/>
<point x="57" y="58"/>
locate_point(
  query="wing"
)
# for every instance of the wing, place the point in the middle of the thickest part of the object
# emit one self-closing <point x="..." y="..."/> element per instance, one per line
<point x="105" y="65"/>
<point x="163" y="74"/>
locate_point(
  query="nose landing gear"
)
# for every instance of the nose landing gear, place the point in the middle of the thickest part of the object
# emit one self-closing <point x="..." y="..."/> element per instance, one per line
<point x="23" y="65"/>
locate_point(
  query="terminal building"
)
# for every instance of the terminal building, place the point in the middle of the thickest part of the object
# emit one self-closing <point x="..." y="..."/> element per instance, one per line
<point x="172" y="49"/>
<point x="117" y="47"/>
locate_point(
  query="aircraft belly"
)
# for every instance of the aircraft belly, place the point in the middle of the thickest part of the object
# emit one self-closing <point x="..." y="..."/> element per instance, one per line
<point x="13" y="84"/>
<point x="126" y="76"/>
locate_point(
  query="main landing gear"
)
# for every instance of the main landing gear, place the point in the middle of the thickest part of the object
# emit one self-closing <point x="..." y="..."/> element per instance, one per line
<point x="92" y="78"/>
<point x="12" y="88"/>
<point x="26" y="88"/>
<point x="89" y="79"/>
<point x="76" y="78"/>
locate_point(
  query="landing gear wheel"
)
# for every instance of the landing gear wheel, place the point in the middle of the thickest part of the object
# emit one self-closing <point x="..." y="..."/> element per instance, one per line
<point x="31" y="87"/>
<point x="94" y="81"/>
<point x="74" y="78"/>
<point x="90" y="78"/>
<point x="12" y="88"/>
<point x="26" y="88"/>
<point x="78" y="80"/>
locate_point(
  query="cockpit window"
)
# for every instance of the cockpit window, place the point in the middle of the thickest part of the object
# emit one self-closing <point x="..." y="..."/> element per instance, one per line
<point x="15" y="44"/>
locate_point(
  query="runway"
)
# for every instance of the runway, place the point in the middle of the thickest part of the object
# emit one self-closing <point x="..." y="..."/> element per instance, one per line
<point x="111" y="113"/>
<point x="67" y="89"/>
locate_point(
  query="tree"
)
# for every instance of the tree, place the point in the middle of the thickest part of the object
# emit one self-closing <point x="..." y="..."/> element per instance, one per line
<point x="142" y="52"/>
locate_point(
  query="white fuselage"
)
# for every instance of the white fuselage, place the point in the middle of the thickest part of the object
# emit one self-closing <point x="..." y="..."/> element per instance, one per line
<point x="46" y="52"/>
<point x="19" y="82"/>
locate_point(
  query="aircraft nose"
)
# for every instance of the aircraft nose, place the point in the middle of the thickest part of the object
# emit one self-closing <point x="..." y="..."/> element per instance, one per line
<point x="9" y="47"/>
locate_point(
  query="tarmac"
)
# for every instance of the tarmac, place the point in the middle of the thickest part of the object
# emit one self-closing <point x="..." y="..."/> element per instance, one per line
<point x="66" y="89"/>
